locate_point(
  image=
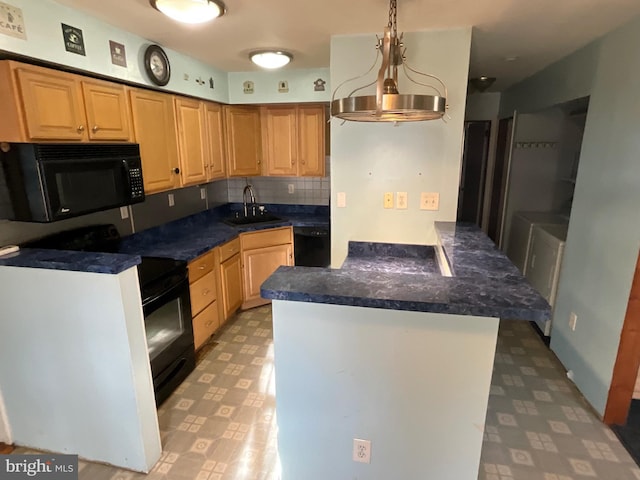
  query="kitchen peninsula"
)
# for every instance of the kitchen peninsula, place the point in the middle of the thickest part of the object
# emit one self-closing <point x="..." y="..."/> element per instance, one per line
<point x="399" y="356"/>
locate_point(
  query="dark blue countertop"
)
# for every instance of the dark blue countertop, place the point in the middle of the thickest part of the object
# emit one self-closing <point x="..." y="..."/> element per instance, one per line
<point x="485" y="282"/>
<point x="392" y="258"/>
<point x="112" y="263"/>
<point x="183" y="239"/>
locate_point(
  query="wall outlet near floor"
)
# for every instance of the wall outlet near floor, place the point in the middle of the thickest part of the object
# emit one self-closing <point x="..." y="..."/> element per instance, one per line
<point x="429" y="201"/>
<point x="291" y="188"/>
<point x="172" y="200"/>
<point x="341" y="198"/>
<point x="387" y="201"/>
<point x="573" y="319"/>
<point x="401" y="200"/>
<point x="361" y="450"/>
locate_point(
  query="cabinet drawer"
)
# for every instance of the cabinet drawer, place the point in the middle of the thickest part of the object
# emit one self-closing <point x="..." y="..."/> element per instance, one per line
<point x="205" y="324"/>
<point x="267" y="238"/>
<point x="229" y="249"/>
<point x="203" y="292"/>
<point x="202" y="265"/>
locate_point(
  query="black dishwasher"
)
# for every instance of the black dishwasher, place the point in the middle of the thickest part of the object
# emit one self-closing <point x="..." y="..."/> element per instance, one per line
<point x="312" y="246"/>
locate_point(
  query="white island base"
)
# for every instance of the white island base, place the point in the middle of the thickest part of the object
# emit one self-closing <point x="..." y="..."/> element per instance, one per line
<point x="416" y="385"/>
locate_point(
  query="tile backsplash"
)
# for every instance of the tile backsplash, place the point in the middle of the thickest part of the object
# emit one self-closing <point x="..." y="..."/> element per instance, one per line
<point x="306" y="190"/>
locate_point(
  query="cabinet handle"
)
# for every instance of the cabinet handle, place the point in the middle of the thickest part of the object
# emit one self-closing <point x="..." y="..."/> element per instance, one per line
<point x="303" y="162"/>
<point x="202" y="267"/>
<point x="208" y="324"/>
<point x="206" y="292"/>
<point x="176" y="170"/>
<point x="80" y="128"/>
<point x="259" y="162"/>
<point x="95" y="128"/>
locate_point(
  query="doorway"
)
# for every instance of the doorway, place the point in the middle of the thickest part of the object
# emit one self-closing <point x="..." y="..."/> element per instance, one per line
<point x="473" y="172"/>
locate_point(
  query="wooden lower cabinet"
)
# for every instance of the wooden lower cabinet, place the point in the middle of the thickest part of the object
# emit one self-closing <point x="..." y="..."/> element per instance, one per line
<point x="262" y="253"/>
<point x="205" y="324"/>
<point x="231" y="285"/>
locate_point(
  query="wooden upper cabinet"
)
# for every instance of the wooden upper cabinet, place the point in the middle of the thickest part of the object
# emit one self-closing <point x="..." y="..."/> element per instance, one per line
<point x="154" y="128"/>
<point x="311" y="140"/>
<point x="107" y="110"/>
<point x="52" y="104"/>
<point x="280" y="139"/>
<point x="294" y="139"/>
<point x="192" y="140"/>
<point x="244" y="140"/>
<point x="217" y="149"/>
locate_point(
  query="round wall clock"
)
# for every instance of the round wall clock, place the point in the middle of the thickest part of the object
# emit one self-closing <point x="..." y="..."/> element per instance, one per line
<point x="156" y="64"/>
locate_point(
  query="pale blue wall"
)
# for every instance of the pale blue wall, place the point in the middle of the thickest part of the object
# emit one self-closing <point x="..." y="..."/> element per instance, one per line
<point x="369" y="159"/>
<point x="604" y="232"/>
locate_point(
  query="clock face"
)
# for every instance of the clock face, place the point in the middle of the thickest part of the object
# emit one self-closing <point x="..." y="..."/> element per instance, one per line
<point x="156" y="64"/>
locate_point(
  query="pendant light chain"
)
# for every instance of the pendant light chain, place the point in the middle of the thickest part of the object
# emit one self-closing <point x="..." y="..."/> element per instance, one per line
<point x="393" y="17"/>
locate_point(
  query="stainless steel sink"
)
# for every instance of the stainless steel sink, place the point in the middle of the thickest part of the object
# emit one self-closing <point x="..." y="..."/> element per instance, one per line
<point x="252" y="219"/>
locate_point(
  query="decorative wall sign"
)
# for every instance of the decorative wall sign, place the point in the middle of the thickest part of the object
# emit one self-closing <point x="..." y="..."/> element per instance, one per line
<point x="318" y="85"/>
<point x="211" y="84"/>
<point x="200" y="81"/>
<point x="248" y="87"/>
<point x="73" y="39"/>
<point x="118" y="54"/>
<point x="11" y="21"/>
<point x="283" y="86"/>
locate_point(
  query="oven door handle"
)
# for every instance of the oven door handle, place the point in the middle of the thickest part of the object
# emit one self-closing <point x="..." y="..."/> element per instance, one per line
<point x="169" y="294"/>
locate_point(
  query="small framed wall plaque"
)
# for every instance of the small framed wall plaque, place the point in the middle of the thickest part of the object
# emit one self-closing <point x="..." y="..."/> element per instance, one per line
<point x="118" y="54"/>
<point x="11" y="21"/>
<point x="73" y="39"/>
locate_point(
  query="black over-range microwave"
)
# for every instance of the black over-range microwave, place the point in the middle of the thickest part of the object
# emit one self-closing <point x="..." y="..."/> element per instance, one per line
<point x="46" y="182"/>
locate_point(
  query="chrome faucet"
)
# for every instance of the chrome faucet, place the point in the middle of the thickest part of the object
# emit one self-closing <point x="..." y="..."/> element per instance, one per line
<point x="252" y="198"/>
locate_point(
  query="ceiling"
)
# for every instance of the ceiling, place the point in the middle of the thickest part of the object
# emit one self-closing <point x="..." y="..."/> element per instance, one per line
<point x="534" y="32"/>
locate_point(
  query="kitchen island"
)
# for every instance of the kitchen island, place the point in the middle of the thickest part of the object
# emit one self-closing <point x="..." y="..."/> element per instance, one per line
<point x="395" y="354"/>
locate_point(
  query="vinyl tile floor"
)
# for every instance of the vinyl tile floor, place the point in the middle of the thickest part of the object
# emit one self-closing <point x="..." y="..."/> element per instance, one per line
<point x="220" y="424"/>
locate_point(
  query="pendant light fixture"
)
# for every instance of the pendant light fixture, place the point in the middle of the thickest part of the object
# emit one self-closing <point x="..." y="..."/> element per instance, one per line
<point x="387" y="105"/>
<point x="190" y="11"/>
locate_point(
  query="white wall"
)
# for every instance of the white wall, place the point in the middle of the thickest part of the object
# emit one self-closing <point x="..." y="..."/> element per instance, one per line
<point x="5" y="428"/>
<point x="370" y="159"/>
<point x="394" y="378"/>
<point x="604" y="231"/>
<point x="75" y="373"/>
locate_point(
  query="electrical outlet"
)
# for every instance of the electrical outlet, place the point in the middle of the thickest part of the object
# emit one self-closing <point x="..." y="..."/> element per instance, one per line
<point x="573" y="319"/>
<point x="291" y="188"/>
<point x="401" y="200"/>
<point x="387" y="201"/>
<point x="203" y="193"/>
<point x="429" y="201"/>
<point x="341" y="200"/>
<point x="124" y="213"/>
<point x="172" y="200"/>
<point x="361" y="450"/>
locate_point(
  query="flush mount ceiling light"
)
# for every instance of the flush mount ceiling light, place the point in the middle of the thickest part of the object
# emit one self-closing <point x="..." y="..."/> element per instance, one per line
<point x="190" y="11"/>
<point x="480" y="84"/>
<point x="270" y="59"/>
<point x="387" y="105"/>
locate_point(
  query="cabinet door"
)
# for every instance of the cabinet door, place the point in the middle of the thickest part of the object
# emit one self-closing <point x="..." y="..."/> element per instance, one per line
<point x="280" y="140"/>
<point x="52" y="103"/>
<point x="192" y="141"/>
<point x="542" y="266"/>
<point x="311" y="133"/>
<point x="231" y="280"/>
<point x="258" y="265"/>
<point x="217" y="148"/>
<point x="154" y="129"/>
<point x="107" y="111"/>
<point x="244" y="141"/>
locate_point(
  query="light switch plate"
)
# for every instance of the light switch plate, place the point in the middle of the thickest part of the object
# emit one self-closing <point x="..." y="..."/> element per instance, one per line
<point x="387" y="200"/>
<point x="341" y="200"/>
<point x="401" y="201"/>
<point x="429" y="201"/>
